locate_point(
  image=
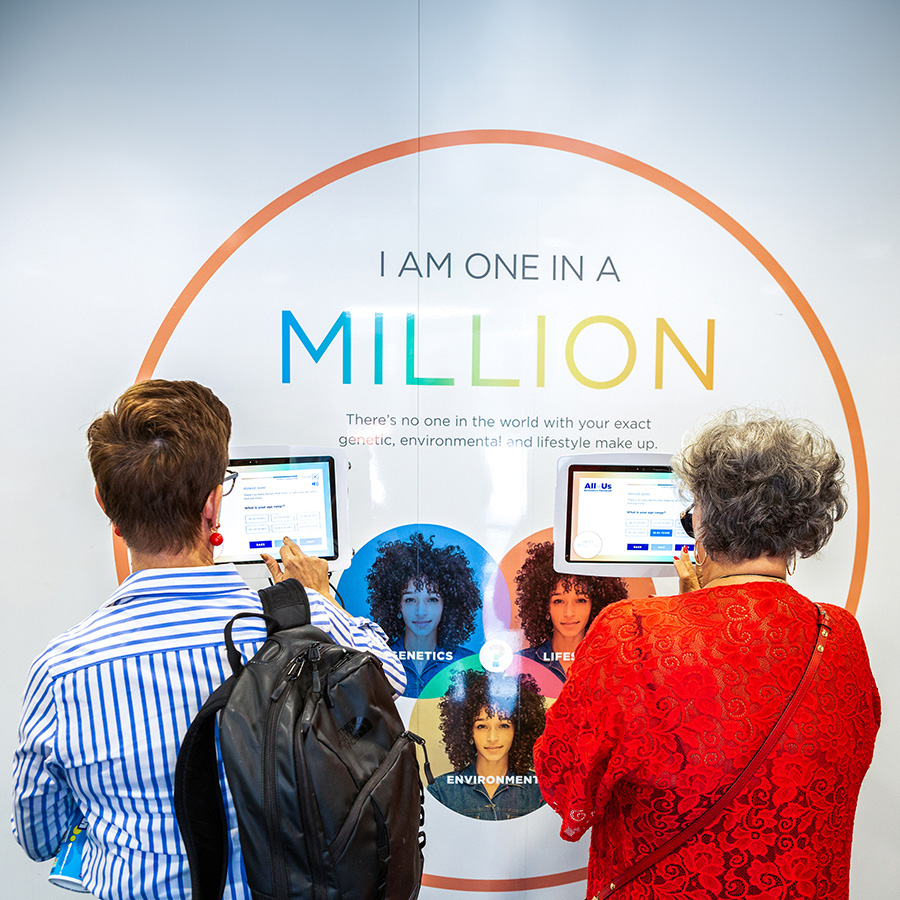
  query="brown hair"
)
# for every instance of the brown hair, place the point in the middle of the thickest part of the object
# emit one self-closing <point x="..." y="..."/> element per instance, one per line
<point x="156" y="455"/>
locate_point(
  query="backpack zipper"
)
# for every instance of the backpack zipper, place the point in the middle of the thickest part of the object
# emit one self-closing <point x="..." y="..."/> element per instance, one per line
<point x="339" y="844"/>
<point x="307" y="813"/>
<point x="270" y="792"/>
<point x="291" y="673"/>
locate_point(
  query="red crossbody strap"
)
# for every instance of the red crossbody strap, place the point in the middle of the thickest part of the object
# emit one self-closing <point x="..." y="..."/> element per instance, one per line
<point x="746" y="773"/>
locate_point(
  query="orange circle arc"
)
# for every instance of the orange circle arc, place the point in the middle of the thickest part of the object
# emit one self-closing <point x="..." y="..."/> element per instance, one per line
<point x="504" y="885"/>
<point x="580" y="148"/>
<point x="590" y="151"/>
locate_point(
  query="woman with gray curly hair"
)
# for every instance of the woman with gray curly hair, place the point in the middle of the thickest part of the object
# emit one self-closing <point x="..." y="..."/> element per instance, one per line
<point x="767" y="490"/>
<point x="672" y="697"/>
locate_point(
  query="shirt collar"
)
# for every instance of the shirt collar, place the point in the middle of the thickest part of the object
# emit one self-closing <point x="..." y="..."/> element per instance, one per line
<point x="196" y="580"/>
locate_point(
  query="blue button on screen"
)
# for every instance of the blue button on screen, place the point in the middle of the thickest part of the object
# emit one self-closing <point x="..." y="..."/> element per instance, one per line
<point x="638" y="546"/>
<point x="260" y="545"/>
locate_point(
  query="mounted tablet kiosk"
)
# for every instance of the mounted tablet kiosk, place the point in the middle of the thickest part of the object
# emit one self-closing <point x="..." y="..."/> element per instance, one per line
<point x="617" y="514"/>
<point x="300" y="492"/>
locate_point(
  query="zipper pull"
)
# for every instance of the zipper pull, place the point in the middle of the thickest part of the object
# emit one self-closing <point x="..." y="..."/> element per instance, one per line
<point x="291" y="673"/>
<point x="421" y="742"/>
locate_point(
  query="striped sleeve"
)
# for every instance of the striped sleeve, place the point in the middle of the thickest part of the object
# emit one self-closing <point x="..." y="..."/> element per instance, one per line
<point x="359" y="633"/>
<point x="43" y="803"/>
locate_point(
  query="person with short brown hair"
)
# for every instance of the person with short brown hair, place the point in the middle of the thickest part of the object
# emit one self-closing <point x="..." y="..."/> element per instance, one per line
<point x="108" y="702"/>
<point x="156" y="456"/>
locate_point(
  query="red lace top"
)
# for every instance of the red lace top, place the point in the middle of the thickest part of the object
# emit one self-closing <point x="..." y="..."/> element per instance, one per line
<point x="665" y="703"/>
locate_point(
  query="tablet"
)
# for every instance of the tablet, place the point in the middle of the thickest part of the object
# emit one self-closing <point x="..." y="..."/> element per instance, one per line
<point x="617" y="514"/>
<point x="278" y="491"/>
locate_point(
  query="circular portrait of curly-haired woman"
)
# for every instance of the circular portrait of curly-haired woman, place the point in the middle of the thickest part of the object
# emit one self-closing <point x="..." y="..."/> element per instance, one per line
<point x="557" y="610"/>
<point x="489" y="725"/>
<point x="423" y="591"/>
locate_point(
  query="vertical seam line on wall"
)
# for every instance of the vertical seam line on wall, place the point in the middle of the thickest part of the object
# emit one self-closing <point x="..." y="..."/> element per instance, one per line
<point x="418" y="236"/>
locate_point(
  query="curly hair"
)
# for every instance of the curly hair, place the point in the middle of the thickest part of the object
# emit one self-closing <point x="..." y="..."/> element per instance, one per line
<point x="444" y="570"/>
<point x="537" y="580"/>
<point x="517" y="699"/>
<point x="766" y="485"/>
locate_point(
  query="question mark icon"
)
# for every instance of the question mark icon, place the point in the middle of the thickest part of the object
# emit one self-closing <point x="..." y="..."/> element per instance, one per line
<point x="496" y="656"/>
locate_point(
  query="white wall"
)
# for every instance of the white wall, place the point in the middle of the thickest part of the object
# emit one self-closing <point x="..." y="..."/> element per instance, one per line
<point x="136" y="137"/>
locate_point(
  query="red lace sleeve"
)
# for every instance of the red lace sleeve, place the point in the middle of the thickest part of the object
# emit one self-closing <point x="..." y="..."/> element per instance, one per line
<point x="587" y="723"/>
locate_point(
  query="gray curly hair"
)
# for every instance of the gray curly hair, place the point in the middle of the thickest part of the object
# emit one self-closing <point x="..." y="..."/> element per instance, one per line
<point x="766" y="485"/>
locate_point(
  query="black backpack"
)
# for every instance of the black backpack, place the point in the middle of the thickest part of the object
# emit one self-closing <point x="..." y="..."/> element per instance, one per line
<point x="323" y="774"/>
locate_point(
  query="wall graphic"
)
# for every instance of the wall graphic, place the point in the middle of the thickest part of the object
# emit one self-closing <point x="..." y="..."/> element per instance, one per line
<point x="457" y="311"/>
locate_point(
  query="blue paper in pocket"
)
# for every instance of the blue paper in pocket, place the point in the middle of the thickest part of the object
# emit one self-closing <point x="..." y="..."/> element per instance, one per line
<point x="66" y="872"/>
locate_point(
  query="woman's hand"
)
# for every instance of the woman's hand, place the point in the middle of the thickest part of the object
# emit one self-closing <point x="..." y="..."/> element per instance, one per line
<point x="688" y="578"/>
<point x="310" y="571"/>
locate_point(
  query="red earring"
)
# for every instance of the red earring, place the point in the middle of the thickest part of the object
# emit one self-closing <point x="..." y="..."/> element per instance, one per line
<point x="116" y="531"/>
<point x="215" y="538"/>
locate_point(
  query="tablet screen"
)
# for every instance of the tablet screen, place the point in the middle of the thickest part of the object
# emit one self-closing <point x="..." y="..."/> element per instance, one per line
<point x="277" y="496"/>
<point x="620" y="515"/>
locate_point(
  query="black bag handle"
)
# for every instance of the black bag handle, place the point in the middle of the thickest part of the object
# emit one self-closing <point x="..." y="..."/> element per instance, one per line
<point x="287" y="603"/>
<point x="235" y="658"/>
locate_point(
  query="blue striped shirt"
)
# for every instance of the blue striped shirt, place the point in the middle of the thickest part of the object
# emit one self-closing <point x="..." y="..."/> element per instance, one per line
<point x="107" y="705"/>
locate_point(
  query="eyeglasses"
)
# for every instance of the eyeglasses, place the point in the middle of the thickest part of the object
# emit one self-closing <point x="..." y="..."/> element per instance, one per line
<point x="228" y="482"/>
<point x="687" y="521"/>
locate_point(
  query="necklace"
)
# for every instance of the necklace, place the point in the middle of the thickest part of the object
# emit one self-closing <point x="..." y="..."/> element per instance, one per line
<point x="746" y="575"/>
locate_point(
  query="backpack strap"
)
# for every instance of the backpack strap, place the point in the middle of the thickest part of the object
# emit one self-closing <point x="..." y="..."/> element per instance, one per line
<point x="199" y="806"/>
<point x="287" y="603"/>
